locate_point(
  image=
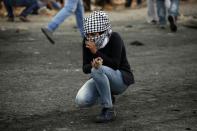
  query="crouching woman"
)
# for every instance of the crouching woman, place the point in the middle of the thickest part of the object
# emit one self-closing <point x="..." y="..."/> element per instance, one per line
<point x="104" y="58"/>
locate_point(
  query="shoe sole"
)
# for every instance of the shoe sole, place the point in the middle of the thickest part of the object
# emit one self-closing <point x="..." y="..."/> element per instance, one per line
<point x="173" y="26"/>
<point x="23" y="19"/>
<point x="107" y="120"/>
<point x="49" y="38"/>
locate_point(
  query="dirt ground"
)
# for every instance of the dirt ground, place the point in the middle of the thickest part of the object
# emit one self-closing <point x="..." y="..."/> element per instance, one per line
<point x="39" y="81"/>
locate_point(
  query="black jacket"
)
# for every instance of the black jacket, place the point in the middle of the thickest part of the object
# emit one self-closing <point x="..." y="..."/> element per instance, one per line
<point x="113" y="55"/>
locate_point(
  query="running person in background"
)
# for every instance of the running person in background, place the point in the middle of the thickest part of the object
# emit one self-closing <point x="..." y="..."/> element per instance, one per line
<point x="152" y="12"/>
<point x="70" y="7"/>
<point x="29" y="5"/>
<point x="172" y="10"/>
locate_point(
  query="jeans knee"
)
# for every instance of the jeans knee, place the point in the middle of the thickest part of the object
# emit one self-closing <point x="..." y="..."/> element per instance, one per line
<point x="81" y="102"/>
<point x="95" y="72"/>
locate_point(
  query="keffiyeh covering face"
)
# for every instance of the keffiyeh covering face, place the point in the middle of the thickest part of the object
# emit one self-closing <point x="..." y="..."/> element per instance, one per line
<point x="98" y="21"/>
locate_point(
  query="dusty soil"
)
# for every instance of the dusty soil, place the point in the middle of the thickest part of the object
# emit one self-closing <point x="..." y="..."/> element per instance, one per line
<point x="39" y="81"/>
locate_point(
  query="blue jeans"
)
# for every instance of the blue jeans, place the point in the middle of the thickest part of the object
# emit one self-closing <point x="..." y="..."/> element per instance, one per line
<point x="161" y="10"/>
<point x="29" y="4"/>
<point x="104" y="82"/>
<point x="70" y="7"/>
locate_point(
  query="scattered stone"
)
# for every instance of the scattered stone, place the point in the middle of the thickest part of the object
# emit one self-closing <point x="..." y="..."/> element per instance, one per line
<point x="36" y="53"/>
<point x="135" y="116"/>
<point x="28" y="39"/>
<point x="188" y="129"/>
<point x="191" y="24"/>
<point x="176" y="110"/>
<point x="136" y="43"/>
<point x="195" y="16"/>
<point x="3" y="29"/>
<point x="128" y="26"/>
<point x="21" y="29"/>
<point x="77" y="70"/>
<point x="189" y="21"/>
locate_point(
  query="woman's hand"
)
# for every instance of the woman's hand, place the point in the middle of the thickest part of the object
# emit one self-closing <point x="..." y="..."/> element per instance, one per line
<point x="96" y="63"/>
<point x="91" y="45"/>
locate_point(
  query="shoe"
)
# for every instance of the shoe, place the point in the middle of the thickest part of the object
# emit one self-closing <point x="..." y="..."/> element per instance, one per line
<point x="24" y="19"/>
<point x="107" y="115"/>
<point x="48" y="34"/>
<point x="173" y="25"/>
<point x="10" y="19"/>
<point x="154" y="22"/>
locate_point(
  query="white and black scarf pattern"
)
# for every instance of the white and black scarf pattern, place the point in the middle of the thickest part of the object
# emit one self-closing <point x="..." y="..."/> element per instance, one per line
<point x="98" y="21"/>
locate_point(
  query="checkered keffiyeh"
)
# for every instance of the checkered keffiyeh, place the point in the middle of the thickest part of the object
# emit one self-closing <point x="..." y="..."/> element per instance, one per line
<point x="97" y="21"/>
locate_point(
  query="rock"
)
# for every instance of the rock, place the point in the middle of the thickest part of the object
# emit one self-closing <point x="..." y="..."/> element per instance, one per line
<point x="136" y="43"/>
<point x="188" y="129"/>
<point x="21" y="29"/>
<point x="128" y="26"/>
<point x="189" y="21"/>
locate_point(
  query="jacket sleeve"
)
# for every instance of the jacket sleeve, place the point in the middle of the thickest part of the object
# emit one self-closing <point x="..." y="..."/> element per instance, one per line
<point x="86" y="59"/>
<point x="113" y="57"/>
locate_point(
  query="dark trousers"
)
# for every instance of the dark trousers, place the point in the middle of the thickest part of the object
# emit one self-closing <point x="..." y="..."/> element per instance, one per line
<point x="128" y="2"/>
<point x="29" y="4"/>
<point x="87" y="5"/>
<point x="103" y="2"/>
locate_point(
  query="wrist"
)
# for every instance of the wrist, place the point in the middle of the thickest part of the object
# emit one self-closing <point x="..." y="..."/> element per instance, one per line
<point x="94" y="52"/>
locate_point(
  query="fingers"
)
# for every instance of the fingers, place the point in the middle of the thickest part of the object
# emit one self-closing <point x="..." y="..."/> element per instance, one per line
<point x="91" y="46"/>
<point x="93" y="63"/>
<point x="99" y="59"/>
<point x="97" y="62"/>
